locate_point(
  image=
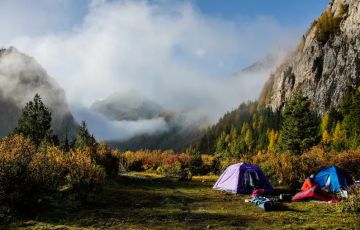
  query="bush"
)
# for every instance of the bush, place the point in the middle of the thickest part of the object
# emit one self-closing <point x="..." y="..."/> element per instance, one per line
<point x="287" y="168"/>
<point x="84" y="175"/>
<point x="134" y="161"/>
<point x="352" y="204"/>
<point x="211" y="164"/>
<point x="177" y="165"/>
<point x="48" y="170"/>
<point x="348" y="160"/>
<point x="105" y="158"/>
<point x="313" y="161"/>
<point x="152" y="160"/>
<point x="326" y="26"/>
<point x="16" y="188"/>
<point x="226" y="162"/>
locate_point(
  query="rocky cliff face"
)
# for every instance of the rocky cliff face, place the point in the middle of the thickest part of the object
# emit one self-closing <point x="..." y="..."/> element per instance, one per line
<point x="323" y="66"/>
<point x="21" y="77"/>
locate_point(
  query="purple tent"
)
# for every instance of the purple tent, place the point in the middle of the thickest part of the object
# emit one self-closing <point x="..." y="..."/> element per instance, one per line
<point x="242" y="178"/>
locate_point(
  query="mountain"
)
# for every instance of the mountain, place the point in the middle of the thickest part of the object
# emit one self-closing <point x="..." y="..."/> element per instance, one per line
<point x="180" y="133"/>
<point x="128" y="106"/>
<point x="21" y="77"/>
<point x="177" y="137"/>
<point x="325" y="63"/>
<point x="323" y="67"/>
<point x="131" y="106"/>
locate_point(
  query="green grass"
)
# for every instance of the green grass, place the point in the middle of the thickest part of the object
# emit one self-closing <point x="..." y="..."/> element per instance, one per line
<point x="142" y="201"/>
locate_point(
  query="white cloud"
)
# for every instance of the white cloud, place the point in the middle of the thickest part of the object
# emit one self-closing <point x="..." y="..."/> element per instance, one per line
<point x="169" y="52"/>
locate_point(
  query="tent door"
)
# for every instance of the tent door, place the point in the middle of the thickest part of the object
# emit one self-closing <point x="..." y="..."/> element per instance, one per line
<point x="327" y="183"/>
<point x="252" y="180"/>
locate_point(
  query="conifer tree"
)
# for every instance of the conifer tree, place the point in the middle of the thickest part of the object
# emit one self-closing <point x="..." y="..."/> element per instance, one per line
<point x="299" y="129"/>
<point x="338" y="139"/>
<point x="249" y="139"/>
<point x="83" y="137"/>
<point x="35" y="121"/>
<point x="325" y="137"/>
<point x="350" y="110"/>
<point x="273" y="136"/>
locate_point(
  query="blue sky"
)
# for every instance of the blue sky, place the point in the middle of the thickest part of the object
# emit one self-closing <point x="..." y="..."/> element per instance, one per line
<point x="287" y="12"/>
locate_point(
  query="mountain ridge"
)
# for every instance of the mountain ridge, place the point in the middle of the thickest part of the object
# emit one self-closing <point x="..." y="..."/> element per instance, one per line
<point x="21" y="77"/>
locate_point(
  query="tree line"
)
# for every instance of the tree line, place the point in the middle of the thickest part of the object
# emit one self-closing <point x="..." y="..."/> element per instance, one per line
<point x="251" y="129"/>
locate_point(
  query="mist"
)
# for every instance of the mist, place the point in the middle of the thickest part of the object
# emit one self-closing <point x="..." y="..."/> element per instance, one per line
<point x="169" y="53"/>
<point x="21" y="77"/>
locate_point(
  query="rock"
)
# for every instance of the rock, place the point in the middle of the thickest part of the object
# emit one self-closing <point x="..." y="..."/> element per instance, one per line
<point x="321" y="71"/>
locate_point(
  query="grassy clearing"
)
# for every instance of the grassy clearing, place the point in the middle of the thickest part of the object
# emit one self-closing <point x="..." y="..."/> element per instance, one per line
<point x="145" y="201"/>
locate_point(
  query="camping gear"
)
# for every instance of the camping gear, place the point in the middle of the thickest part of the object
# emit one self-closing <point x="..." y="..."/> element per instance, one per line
<point x="285" y="197"/>
<point x="266" y="204"/>
<point x="333" y="179"/>
<point x="325" y="184"/>
<point x="313" y="193"/>
<point x="243" y="178"/>
<point x="307" y="184"/>
<point x="258" y="192"/>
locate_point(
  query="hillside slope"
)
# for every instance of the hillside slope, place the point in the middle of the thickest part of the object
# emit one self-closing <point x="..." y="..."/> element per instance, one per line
<point x="326" y="62"/>
<point x="323" y="66"/>
<point x="21" y="77"/>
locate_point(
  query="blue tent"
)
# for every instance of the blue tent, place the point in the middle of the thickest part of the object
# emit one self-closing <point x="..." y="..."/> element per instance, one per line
<point x="333" y="179"/>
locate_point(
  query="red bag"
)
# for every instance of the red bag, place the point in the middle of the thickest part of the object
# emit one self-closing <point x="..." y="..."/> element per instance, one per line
<point x="258" y="192"/>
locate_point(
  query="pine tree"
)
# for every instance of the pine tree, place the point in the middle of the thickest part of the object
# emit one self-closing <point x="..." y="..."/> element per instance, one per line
<point x="249" y="139"/>
<point x="299" y="129"/>
<point x="35" y="121"/>
<point x="273" y="136"/>
<point x="350" y="110"/>
<point x="221" y="144"/>
<point x="338" y="139"/>
<point x="324" y="123"/>
<point x="325" y="137"/>
<point x="83" y="137"/>
<point x="234" y="142"/>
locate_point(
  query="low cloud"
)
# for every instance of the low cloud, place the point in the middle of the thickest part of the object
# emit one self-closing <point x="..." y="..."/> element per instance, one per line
<point x="169" y="53"/>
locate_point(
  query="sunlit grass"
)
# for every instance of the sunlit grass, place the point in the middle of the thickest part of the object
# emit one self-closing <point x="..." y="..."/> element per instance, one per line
<point x="147" y="201"/>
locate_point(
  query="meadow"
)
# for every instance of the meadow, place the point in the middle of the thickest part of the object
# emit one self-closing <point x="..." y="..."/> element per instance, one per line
<point x="149" y="201"/>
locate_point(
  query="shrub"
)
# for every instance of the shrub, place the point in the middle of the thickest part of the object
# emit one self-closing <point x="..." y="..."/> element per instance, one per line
<point x="105" y="158"/>
<point x="177" y="165"/>
<point x="84" y="175"/>
<point x="120" y="159"/>
<point x="348" y="160"/>
<point x="48" y="170"/>
<point x="133" y="161"/>
<point x="289" y="170"/>
<point x="152" y="160"/>
<point x="210" y="163"/>
<point x="326" y="26"/>
<point x="352" y="204"/>
<point x="226" y="162"/>
<point x="313" y="160"/>
<point x="16" y="189"/>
